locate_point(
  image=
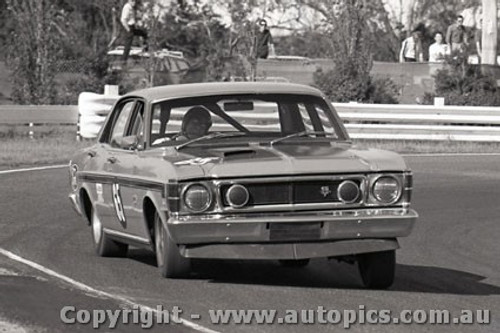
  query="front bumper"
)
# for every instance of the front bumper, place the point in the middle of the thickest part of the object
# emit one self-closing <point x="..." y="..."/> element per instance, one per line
<point x="241" y="236"/>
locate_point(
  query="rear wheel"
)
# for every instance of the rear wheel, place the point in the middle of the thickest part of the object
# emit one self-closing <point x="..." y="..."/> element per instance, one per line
<point x="104" y="246"/>
<point x="170" y="262"/>
<point x="377" y="269"/>
<point x="294" y="263"/>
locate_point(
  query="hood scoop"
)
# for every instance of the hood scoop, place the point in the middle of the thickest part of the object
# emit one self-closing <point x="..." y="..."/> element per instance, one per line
<point x="234" y="153"/>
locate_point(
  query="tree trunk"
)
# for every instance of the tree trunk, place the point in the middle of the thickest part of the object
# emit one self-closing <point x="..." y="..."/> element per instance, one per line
<point x="489" y="33"/>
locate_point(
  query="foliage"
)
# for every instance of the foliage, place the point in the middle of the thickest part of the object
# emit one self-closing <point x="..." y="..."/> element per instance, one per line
<point x="311" y="44"/>
<point x="462" y="83"/>
<point x="33" y="50"/>
<point x="377" y="26"/>
<point x="93" y="78"/>
<point x="350" y="79"/>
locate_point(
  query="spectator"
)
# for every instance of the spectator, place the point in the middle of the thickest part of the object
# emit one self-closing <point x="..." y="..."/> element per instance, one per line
<point x="264" y="42"/>
<point x="456" y="36"/>
<point x="478" y="37"/>
<point x="438" y="50"/>
<point x="411" y="49"/>
<point x="131" y="25"/>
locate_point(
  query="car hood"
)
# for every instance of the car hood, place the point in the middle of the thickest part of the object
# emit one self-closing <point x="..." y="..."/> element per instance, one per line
<point x="280" y="160"/>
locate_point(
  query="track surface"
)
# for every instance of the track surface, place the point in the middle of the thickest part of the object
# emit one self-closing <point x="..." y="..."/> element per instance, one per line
<point x="449" y="262"/>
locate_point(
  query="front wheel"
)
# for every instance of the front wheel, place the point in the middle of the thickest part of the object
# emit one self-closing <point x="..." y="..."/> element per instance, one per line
<point x="104" y="246"/>
<point x="170" y="262"/>
<point x="377" y="269"/>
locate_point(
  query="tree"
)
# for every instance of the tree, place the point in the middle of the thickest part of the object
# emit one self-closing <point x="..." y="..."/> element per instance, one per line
<point x="489" y="33"/>
<point x="34" y="48"/>
<point x="350" y="79"/>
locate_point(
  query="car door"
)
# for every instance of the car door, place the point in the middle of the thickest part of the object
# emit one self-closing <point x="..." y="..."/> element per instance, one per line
<point x="114" y="161"/>
<point x="129" y="187"/>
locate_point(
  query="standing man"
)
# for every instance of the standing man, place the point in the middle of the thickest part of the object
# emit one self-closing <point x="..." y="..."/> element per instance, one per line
<point x="264" y="42"/>
<point x="130" y="24"/>
<point x="411" y="49"/>
<point x="456" y="36"/>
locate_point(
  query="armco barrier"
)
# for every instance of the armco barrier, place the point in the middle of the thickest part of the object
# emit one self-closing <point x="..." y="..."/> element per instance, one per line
<point x="363" y="121"/>
<point x="420" y="122"/>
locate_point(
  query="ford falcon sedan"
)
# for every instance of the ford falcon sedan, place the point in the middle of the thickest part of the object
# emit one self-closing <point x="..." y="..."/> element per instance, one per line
<point x="245" y="170"/>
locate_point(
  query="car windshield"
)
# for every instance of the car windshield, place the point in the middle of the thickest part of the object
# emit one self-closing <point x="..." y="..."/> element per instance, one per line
<point x="271" y="118"/>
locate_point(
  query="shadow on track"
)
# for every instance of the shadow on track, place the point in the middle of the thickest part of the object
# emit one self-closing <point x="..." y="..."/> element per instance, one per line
<point x="321" y="273"/>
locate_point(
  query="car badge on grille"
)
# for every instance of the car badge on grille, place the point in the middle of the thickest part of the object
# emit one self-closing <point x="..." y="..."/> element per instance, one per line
<point x="325" y="191"/>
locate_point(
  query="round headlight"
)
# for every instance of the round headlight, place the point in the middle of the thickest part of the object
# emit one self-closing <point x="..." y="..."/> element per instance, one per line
<point x="197" y="197"/>
<point x="348" y="191"/>
<point x="386" y="190"/>
<point x="237" y="196"/>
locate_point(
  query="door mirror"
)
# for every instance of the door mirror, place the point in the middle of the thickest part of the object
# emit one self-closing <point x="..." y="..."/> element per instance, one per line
<point x="130" y="142"/>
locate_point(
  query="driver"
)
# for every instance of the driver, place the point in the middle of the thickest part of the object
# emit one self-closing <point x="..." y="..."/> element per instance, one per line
<point x="196" y="123"/>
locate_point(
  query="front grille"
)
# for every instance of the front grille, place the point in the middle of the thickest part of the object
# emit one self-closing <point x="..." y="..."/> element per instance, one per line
<point x="291" y="192"/>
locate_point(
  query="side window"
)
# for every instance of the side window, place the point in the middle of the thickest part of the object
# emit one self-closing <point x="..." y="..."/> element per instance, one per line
<point x="137" y="123"/>
<point x="120" y="123"/>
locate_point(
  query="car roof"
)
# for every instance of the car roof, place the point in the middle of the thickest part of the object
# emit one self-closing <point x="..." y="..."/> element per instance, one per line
<point x="221" y="88"/>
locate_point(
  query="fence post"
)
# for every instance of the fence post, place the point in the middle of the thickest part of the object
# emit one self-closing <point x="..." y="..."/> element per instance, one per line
<point x="78" y="136"/>
<point x="30" y="133"/>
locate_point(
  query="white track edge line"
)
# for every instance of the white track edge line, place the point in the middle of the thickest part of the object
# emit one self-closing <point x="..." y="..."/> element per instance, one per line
<point x="88" y="289"/>
<point x="449" y="154"/>
<point x="48" y="167"/>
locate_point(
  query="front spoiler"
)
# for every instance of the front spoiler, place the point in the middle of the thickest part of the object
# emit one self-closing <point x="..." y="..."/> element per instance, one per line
<point x="289" y="251"/>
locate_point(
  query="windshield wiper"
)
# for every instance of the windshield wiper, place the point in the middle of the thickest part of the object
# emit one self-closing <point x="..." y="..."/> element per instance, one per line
<point x="210" y="136"/>
<point x="298" y="135"/>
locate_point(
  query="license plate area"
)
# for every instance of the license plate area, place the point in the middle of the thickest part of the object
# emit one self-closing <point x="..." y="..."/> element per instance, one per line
<point x="295" y="231"/>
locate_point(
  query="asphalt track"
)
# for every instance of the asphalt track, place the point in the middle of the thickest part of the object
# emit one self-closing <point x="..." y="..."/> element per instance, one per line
<point x="449" y="262"/>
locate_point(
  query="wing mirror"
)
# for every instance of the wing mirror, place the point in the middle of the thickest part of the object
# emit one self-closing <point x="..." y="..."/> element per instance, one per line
<point x="130" y="142"/>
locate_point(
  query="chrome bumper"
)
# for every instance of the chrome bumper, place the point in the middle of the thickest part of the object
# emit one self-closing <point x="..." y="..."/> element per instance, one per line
<point x="74" y="203"/>
<point x="221" y="233"/>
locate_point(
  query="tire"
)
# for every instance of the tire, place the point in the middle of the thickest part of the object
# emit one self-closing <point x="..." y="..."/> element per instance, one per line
<point x="297" y="263"/>
<point x="377" y="269"/>
<point x="170" y="262"/>
<point x="103" y="245"/>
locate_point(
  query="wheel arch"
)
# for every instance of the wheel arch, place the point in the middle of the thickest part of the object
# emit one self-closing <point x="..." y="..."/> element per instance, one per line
<point x="150" y="205"/>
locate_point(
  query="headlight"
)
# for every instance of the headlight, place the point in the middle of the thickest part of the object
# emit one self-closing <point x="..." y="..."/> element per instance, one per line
<point x="197" y="198"/>
<point x="348" y="192"/>
<point x="237" y="196"/>
<point x="386" y="190"/>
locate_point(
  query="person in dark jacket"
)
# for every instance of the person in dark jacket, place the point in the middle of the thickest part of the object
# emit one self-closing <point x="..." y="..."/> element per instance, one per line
<point x="264" y="43"/>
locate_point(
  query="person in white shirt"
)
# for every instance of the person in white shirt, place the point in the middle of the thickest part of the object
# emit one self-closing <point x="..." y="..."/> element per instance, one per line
<point x="130" y="22"/>
<point x="438" y="50"/>
<point x="411" y="50"/>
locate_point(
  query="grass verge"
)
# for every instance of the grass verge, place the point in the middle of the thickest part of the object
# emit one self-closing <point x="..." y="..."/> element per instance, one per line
<point x="20" y="151"/>
<point x="23" y="151"/>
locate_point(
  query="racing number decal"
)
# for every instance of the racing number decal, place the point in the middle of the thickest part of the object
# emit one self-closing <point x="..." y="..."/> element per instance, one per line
<point x="117" y="201"/>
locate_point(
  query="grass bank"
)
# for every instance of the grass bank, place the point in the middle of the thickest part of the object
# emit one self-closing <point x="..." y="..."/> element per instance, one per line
<point x="23" y="151"/>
